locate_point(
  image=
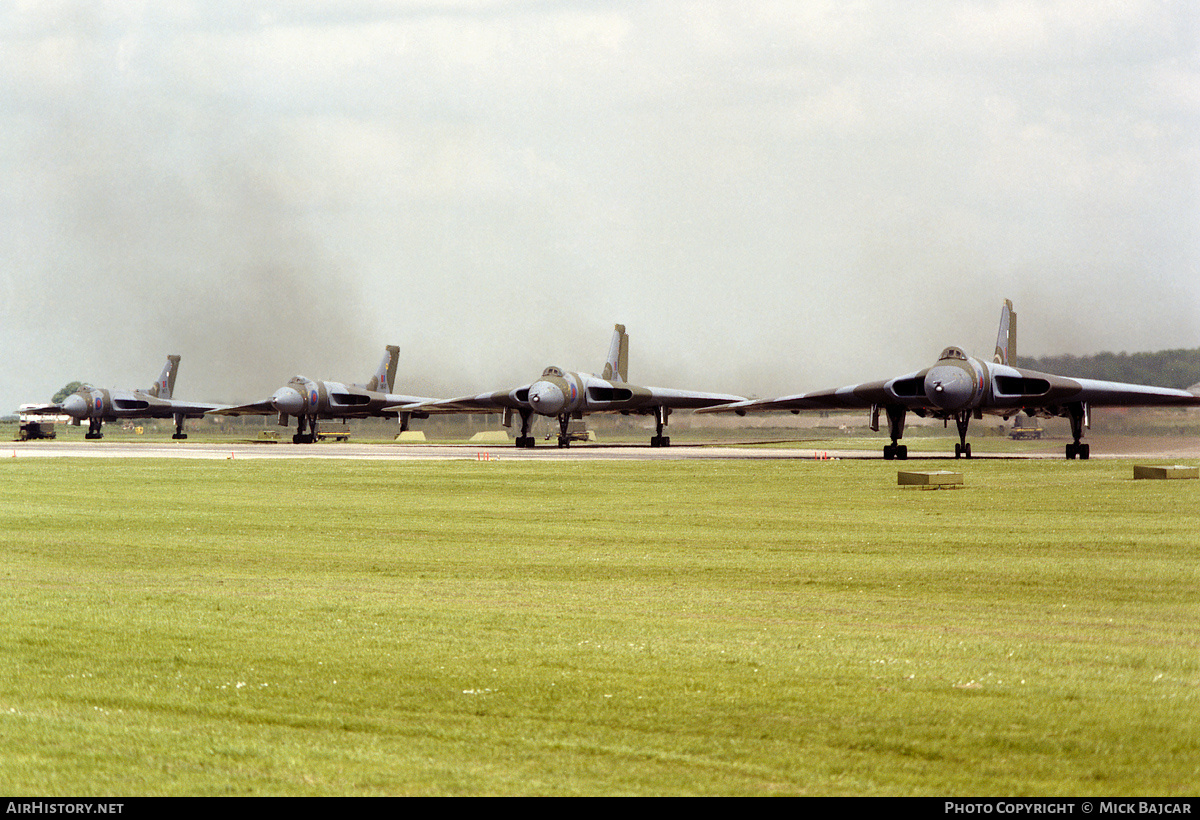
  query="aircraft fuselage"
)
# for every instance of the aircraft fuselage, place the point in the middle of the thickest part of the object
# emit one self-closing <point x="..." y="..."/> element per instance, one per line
<point x="313" y="398"/>
<point x="97" y="403"/>
<point x="957" y="383"/>
<point x="560" y="392"/>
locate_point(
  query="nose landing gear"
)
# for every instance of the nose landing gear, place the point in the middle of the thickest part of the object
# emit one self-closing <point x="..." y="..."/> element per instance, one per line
<point x="962" y="421"/>
<point x="305" y="438"/>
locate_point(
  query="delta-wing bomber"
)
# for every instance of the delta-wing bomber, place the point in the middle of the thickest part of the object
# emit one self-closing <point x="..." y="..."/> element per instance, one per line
<point x="958" y="387"/>
<point x="566" y="395"/>
<point x="99" y="405"/>
<point x="308" y="400"/>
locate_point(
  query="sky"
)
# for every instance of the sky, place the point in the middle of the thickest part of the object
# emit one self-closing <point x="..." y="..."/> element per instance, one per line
<point x="773" y="197"/>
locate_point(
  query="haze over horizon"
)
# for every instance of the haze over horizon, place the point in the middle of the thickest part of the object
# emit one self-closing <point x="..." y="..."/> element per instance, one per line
<point x="772" y="197"/>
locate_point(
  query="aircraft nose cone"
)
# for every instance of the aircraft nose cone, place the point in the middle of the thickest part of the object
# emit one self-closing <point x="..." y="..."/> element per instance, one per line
<point x="948" y="387"/>
<point x="546" y="399"/>
<point x="75" y="406"/>
<point x="288" y="400"/>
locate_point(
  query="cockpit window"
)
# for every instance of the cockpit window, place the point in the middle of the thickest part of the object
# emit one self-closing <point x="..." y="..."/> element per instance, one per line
<point x="552" y="371"/>
<point x="953" y="353"/>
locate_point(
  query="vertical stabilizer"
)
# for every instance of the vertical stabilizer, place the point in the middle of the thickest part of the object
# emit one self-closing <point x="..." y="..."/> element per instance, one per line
<point x="1012" y="335"/>
<point x="165" y="386"/>
<point x="616" y="367"/>
<point x="385" y="374"/>
<point x="1006" y="340"/>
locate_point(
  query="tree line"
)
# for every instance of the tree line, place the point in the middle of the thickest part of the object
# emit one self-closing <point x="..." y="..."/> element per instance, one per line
<point x="1165" y="368"/>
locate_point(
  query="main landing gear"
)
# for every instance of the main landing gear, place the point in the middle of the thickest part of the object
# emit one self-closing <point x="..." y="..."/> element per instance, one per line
<point x="1078" y="414"/>
<point x="179" y="434"/>
<point x="525" y="441"/>
<point x="94" y="429"/>
<point x="895" y="417"/>
<point x="661" y="414"/>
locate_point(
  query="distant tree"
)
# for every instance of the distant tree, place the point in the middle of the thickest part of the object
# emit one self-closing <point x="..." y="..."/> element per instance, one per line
<point x="66" y="391"/>
<point x="1166" y="368"/>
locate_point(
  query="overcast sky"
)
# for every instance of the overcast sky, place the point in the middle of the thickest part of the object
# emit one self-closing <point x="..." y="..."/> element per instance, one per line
<point x="772" y="196"/>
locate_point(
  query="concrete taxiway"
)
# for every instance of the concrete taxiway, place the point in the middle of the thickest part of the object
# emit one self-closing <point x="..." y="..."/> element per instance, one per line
<point x="384" y="451"/>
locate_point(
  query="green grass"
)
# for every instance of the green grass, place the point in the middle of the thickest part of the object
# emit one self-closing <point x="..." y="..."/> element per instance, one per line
<point x="926" y="445"/>
<point x="513" y="627"/>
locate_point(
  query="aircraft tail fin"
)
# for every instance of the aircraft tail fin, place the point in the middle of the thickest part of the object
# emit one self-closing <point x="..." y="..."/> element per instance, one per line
<point x="165" y="386"/>
<point x="1006" y="341"/>
<point x="616" y="367"/>
<point x="385" y="375"/>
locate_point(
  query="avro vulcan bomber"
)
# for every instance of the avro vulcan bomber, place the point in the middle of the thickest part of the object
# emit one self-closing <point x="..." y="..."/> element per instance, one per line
<point x="958" y="387"/>
<point x="308" y="400"/>
<point x="566" y="395"/>
<point x="99" y="405"/>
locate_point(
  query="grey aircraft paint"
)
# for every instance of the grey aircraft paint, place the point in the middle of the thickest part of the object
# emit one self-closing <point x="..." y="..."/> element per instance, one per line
<point x="566" y="395"/>
<point x="958" y="387"/>
<point x="98" y="405"/>
<point x="308" y="400"/>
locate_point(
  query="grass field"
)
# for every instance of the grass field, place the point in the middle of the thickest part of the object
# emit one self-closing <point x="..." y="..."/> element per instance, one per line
<point x="509" y="627"/>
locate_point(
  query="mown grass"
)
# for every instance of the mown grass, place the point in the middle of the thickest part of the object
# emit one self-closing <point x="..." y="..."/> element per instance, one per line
<point x="512" y="627"/>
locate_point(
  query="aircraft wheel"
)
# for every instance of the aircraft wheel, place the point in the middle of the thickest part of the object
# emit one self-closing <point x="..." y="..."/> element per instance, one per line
<point x="889" y="452"/>
<point x="1084" y="450"/>
<point x="967" y="449"/>
<point x="179" y="436"/>
<point x="564" y="442"/>
<point x="1071" y="451"/>
<point x="93" y="435"/>
<point x="958" y="451"/>
<point x="902" y="451"/>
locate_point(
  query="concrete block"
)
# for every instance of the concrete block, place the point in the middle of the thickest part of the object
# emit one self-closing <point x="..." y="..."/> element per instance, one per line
<point x="490" y="437"/>
<point x="1174" y="471"/>
<point x="932" y="478"/>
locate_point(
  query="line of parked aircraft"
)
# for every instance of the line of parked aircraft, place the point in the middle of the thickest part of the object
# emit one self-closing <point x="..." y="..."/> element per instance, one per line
<point x="956" y="387"/>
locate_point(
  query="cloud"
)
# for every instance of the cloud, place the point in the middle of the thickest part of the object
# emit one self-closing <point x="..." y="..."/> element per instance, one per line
<point x="771" y="197"/>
